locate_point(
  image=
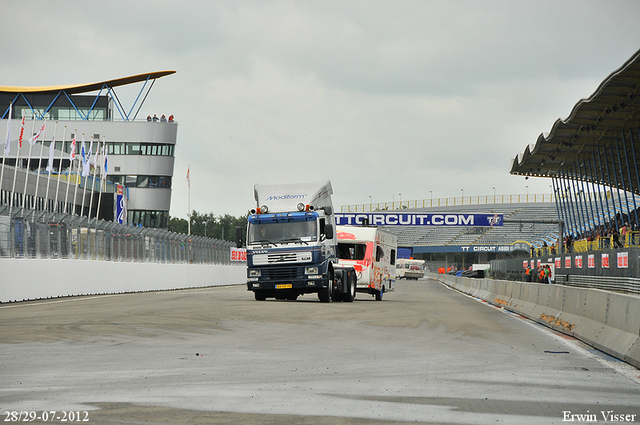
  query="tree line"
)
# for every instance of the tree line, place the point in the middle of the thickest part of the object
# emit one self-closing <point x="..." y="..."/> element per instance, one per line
<point x="219" y="227"/>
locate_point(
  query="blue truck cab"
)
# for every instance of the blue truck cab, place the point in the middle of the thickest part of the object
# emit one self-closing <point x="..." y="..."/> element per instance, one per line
<point x="291" y="245"/>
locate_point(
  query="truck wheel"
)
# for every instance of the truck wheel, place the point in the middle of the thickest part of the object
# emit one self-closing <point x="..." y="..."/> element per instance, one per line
<point x="325" y="294"/>
<point x="351" y="290"/>
<point x="260" y="296"/>
<point x="379" y="294"/>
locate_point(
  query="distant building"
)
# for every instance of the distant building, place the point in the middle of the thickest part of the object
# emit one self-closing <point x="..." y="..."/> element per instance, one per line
<point x="140" y="152"/>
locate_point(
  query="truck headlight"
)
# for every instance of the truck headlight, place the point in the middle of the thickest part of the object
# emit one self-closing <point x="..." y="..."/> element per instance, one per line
<point x="254" y="273"/>
<point x="311" y="270"/>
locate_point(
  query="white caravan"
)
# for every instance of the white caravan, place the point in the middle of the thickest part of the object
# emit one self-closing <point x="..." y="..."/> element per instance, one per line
<point x="372" y="253"/>
<point x="408" y="268"/>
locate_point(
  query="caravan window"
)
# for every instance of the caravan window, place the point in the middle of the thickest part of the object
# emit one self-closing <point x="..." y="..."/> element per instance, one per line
<point x="351" y="251"/>
<point x="379" y="253"/>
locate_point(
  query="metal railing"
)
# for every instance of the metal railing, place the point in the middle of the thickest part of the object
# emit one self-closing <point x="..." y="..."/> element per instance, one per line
<point x="629" y="240"/>
<point x="28" y="233"/>
<point x="450" y="202"/>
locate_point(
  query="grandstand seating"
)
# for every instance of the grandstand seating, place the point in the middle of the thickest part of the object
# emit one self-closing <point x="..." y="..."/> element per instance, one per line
<point x="536" y="234"/>
<point x="507" y="234"/>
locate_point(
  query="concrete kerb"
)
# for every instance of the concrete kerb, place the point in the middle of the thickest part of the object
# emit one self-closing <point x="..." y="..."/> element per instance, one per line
<point x="608" y="321"/>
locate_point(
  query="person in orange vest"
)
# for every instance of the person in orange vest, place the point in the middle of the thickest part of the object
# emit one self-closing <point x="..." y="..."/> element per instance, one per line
<point x="528" y="274"/>
<point x="541" y="275"/>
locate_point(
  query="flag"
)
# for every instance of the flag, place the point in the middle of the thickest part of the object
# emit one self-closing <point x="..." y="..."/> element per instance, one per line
<point x="50" y="162"/>
<point x="72" y="155"/>
<point x="104" y="167"/>
<point x="86" y="164"/>
<point x="189" y="176"/>
<point x="21" y="133"/>
<point x="82" y="150"/>
<point x="35" y="136"/>
<point x="7" y="143"/>
<point x="96" y="156"/>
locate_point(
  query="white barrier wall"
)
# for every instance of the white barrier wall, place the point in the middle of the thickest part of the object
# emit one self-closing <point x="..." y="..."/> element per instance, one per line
<point x="606" y="320"/>
<point x="26" y="279"/>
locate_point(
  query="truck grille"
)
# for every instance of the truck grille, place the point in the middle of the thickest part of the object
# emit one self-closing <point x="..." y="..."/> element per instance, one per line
<point x="285" y="273"/>
<point x="282" y="258"/>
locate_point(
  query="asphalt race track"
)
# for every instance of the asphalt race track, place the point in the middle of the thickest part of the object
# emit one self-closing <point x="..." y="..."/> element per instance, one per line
<point x="425" y="354"/>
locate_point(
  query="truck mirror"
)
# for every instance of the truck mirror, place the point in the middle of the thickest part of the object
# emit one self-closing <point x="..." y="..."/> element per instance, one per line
<point x="239" y="241"/>
<point x="328" y="230"/>
<point x="328" y="210"/>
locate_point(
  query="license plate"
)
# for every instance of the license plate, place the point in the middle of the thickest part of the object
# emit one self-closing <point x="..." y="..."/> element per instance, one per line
<point x="284" y="286"/>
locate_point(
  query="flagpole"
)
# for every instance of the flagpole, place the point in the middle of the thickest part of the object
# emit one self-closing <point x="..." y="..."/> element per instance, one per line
<point x="189" y="198"/>
<point x="72" y="160"/>
<point x="15" y="169"/>
<point x="7" y="144"/>
<point x="35" y="197"/>
<point x="52" y="146"/>
<point x="55" y="202"/>
<point x="26" y="176"/>
<point x="103" y="172"/>
<point x="75" y="192"/>
<point x="93" y="179"/>
<point x="86" y="162"/>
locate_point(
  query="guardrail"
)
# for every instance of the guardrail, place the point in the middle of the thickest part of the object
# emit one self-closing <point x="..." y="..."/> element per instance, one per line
<point x="450" y="202"/>
<point x="26" y="233"/>
<point x="629" y="240"/>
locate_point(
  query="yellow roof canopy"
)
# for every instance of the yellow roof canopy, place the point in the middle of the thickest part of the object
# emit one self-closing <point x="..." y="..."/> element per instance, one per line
<point x="86" y="88"/>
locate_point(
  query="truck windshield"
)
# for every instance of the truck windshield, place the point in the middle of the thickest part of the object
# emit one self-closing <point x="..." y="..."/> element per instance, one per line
<point x="286" y="232"/>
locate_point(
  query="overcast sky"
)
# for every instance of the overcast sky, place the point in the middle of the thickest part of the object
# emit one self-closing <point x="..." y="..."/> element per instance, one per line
<point x="389" y="100"/>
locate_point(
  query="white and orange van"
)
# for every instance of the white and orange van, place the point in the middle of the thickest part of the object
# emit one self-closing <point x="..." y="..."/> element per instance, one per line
<point x="372" y="253"/>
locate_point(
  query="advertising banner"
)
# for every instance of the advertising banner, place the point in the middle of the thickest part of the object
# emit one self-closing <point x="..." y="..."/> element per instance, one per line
<point x="419" y="219"/>
<point x="238" y="254"/>
<point x="470" y="248"/>
<point x="623" y="260"/>
<point x="121" y="205"/>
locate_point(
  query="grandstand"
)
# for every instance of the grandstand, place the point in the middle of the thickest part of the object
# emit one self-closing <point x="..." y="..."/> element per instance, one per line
<point x="534" y="234"/>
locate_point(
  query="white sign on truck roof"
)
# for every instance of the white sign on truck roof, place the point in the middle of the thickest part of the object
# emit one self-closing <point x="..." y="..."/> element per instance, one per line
<point x="285" y="197"/>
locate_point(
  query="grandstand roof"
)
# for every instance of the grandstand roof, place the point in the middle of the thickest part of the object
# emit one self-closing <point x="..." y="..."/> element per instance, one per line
<point x="601" y="131"/>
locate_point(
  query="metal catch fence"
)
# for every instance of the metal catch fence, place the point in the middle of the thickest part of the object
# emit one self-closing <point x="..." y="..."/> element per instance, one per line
<point x="27" y="233"/>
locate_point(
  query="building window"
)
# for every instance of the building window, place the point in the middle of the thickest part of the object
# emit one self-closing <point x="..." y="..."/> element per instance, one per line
<point x="156" y="182"/>
<point x="154" y="149"/>
<point x="133" y="148"/>
<point x="159" y="219"/>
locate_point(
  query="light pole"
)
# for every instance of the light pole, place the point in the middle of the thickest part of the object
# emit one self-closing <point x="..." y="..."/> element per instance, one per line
<point x="494" y="194"/>
<point x="400" y="200"/>
<point x="431" y="193"/>
<point x="370" y="203"/>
